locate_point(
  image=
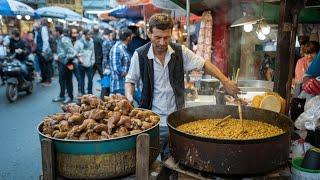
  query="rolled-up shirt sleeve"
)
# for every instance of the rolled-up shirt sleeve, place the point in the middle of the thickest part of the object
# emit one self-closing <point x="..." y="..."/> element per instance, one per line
<point x="191" y="60"/>
<point x="133" y="75"/>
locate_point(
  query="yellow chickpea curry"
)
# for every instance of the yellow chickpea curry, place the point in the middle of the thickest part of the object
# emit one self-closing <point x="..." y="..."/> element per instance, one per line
<point x="231" y="129"/>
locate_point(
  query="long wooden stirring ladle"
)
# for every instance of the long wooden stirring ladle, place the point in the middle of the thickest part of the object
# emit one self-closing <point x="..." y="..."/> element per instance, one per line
<point x="223" y="120"/>
<point x="240" y="115"/>
<point x="239" y="102"/>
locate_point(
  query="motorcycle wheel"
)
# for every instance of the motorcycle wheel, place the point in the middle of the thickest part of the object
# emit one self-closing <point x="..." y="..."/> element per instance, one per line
<point x="12" y="92"/>
<point x="29" y="89"/>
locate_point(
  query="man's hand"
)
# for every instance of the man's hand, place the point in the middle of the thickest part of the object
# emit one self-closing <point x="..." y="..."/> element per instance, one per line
<point x="129" y="91"/>
<point x="130" y="98"/>
<point x="231" y="87"/>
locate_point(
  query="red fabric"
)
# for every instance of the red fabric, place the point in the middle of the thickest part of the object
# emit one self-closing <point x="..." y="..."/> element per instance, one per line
<point x="301" y="67"/>
<point x="221" y="39"/>
<point x="312" y="86"/>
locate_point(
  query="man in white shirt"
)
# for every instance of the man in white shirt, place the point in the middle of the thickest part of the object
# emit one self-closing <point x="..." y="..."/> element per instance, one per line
<point x="161" y="66"/>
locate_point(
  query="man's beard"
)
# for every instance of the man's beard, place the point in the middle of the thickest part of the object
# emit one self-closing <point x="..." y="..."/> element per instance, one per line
<point x="161" y="48"/>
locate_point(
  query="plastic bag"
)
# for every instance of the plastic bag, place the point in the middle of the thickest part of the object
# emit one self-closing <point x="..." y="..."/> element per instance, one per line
<point x="312" y="102"/>
<point x="310" y="118"/>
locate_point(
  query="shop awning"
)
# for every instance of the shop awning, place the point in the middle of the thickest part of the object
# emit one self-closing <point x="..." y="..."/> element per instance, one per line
<point x="59" y="12"/>
<point x="270" y="12"/>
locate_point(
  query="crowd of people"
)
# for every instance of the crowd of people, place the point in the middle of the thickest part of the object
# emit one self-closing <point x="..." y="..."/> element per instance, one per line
<point x="75" y="52"/>
<point x="150" y="72"/>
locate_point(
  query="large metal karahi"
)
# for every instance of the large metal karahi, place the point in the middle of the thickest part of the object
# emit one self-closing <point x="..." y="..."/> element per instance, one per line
<point x="229" y="157"/>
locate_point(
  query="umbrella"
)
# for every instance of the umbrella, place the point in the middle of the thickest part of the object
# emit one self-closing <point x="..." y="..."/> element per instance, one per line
<point x="59" y="12"/>
<point x="127" y="12"/>
<point x="12" y="7"/>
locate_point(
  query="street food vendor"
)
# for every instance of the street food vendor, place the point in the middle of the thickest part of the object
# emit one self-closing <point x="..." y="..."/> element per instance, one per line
<point x="161" y="66"/>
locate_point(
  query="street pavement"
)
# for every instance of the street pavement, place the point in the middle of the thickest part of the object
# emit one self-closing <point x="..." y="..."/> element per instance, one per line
<point x="20" y="153"/>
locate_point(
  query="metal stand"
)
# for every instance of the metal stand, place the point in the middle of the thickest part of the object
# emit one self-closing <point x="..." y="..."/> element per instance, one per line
<point x="182" y="172"/>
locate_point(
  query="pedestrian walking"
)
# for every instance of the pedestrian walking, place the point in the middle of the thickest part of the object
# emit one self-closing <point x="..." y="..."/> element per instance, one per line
<point x="75" y="42"/>
<point x="120" y="61"/>
<point x="44" y="53"/>
<point x="106" y="47"/>
<point x="98" y="41"/>
<point x="66" y="55"/>
<point x="86" y="61"/>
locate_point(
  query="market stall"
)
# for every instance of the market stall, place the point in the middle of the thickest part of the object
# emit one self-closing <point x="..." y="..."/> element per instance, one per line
<point x="15" y="14"/>
<point x="215" y="136"/>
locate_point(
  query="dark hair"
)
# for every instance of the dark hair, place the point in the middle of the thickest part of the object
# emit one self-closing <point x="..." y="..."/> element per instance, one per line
<point x="70" y="30"/>
<point x="134" y="29"/>
<point x="59" y="29"/>
<point x="107" y="31"/>
<point x="311" y="47"/>
<point x="160" y="21"/>
<point x="44" y="22"/>
<point x="303" y="40"/>
<point x="86" y="31"/>
<point x="15" y="32"/>
<point x="95" y="29"/>
<point x="124" y="33"/>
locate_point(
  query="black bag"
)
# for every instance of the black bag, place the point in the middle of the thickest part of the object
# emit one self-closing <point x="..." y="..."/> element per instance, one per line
<point x="296" y="108"/>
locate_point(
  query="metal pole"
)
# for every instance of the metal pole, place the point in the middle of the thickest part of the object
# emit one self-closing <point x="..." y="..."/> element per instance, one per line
<point x="145" y="21"/>
<point x="188" y="23"/>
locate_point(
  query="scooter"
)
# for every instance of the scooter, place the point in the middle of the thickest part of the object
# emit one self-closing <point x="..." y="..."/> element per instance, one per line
<point x="16" y="81"/>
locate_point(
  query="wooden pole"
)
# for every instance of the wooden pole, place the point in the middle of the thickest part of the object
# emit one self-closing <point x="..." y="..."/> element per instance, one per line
<point x="283" y="44"/>
<point x="142" y="157"/>
<point x="295" y="14"/>
<point x="188" y="23"/>
<point x="48" y="164"/>
<point x="145" y="21"/>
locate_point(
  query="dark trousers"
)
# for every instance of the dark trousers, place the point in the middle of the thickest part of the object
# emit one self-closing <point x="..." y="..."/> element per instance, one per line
<point x="82" y="72"/>
<point x="164" y="135"/>
<point x="98" y="67"/>
<point x="105" y="91"/>
<point x="46" y="69"/>
<point x="76" y="74"/>
<point x="65" y="80"/>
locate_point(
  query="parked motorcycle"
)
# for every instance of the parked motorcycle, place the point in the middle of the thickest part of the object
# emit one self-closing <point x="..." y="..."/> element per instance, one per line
<point x="17" y="81"/>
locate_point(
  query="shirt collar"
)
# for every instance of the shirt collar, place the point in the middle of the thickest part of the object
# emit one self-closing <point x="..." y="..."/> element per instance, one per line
<point x="152" y="56"/>
<point x="121" y="43"/>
